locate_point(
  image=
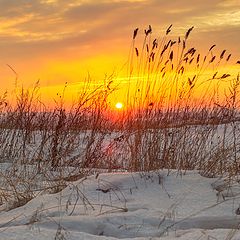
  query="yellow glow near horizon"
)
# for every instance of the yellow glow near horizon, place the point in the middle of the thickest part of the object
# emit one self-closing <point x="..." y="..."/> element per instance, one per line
<point x="138" y="91"/>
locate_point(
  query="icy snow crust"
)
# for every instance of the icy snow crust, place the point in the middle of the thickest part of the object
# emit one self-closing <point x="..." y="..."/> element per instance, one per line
<point x="123" y="205"/>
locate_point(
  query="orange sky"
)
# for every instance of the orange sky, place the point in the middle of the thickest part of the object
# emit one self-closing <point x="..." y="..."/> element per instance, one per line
<point x="65" y="40"/>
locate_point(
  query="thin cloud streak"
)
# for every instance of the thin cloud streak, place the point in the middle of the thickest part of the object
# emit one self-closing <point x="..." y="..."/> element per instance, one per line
<point x="23" y="21"/>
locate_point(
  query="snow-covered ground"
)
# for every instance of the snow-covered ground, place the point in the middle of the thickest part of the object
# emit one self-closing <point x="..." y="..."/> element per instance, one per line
<point x="157" y="205"/>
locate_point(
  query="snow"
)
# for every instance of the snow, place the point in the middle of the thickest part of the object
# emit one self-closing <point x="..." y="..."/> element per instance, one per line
<point x="122" y="205"/>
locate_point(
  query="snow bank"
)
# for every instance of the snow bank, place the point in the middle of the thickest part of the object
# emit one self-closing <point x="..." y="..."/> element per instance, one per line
<point x="126" y="206"/>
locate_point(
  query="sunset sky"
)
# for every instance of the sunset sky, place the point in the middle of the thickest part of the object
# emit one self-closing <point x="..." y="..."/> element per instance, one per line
<point x="65" y="40"/>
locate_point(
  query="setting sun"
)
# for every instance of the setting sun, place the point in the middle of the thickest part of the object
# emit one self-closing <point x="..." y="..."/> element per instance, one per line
<point x="119" y="105"/>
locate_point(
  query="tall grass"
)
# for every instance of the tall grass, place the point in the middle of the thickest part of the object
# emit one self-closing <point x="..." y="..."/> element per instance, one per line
<point x="184" y="109"/>
<point x="56" y="145"/>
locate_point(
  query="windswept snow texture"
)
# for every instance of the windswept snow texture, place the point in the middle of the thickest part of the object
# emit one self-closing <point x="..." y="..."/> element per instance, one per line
<point x="126" y="206"/>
